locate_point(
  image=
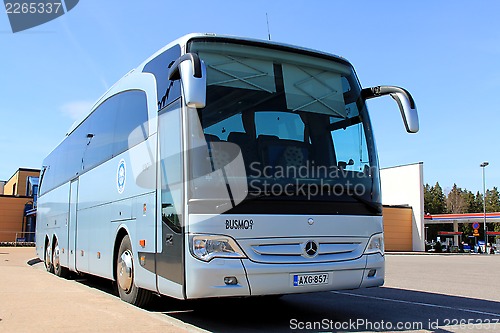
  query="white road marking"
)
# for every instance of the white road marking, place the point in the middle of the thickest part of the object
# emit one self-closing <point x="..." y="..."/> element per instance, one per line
<point x="418" y="303"/>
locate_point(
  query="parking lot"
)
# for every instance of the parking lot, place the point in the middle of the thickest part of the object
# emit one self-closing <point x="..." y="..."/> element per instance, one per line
<point x="423" y="293"/>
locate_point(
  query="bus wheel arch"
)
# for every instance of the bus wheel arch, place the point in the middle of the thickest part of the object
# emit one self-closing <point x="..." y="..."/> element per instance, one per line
<point x="122" y="232"/>
<point x="124" y="272"/>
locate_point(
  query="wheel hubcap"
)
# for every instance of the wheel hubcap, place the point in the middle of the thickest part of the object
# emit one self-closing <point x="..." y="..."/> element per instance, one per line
<point x="125" y="271"/>
<point x="56" y="257"/>
<point x="47" y="256"/>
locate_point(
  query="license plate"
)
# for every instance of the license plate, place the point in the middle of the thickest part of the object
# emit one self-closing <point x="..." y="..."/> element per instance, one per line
<point x="310" y="279"/>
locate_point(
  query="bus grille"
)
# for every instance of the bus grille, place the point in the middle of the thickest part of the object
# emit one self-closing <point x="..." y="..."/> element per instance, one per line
<point x="301" y="250"/>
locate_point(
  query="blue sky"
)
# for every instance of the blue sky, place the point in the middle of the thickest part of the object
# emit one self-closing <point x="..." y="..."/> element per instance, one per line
<point x="446" y="53"/>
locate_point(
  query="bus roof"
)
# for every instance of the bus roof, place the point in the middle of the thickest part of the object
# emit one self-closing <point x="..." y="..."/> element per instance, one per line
<point x="182" y="42"/>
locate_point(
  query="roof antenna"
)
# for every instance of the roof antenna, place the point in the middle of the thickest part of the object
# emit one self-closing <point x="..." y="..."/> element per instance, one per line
<point x="268" y="32"/>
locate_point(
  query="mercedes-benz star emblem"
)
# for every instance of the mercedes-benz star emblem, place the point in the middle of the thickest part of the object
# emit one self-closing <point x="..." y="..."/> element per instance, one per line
<point x="311" y="249"/>
<point x="310" y="221"/>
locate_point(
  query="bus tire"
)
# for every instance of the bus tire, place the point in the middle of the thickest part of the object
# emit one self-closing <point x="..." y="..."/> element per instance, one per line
<point x="125" y="283"/>
<point x="48" y="257"/>
<point x="56" y="263"/>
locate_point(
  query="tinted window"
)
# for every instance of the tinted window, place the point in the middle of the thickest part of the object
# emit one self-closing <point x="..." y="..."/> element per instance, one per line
<point x="117" y="124"/>
<point x="65" y="162"/>
<point x="167" y="90"/>
<point x="131" y="121"/>
<point x="70" y="155"/>
<point x="226" y="126"/>
<point x="281" y="124"/>
<point x="171" y="167"/>
<point x="100" y="134"/>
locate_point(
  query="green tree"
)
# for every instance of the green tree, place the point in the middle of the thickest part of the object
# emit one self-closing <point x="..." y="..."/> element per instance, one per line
<point x="492" y="206"/>
<point x="427" y="198"/>
<point x="477" y="205"/>
<point x="434" y="199"/>
<point x="493" y="200"/>
<point x="474" y="204"/>
<point x="470" y="201"/>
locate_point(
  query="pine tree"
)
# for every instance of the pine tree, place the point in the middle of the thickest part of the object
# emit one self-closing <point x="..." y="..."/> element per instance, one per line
<point x="470" y="207"/>
<point x="438" y="200"/>
<point x="459" y="201"/>
<point x="493" y="200"/>
<point x="492" y="206"/>
<point x="427" y="199"/>
<point x="477" y="207"/>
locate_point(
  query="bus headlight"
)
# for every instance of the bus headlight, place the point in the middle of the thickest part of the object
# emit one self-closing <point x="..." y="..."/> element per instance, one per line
<point x="207" y="247"/>
<point x="375" y="244"/>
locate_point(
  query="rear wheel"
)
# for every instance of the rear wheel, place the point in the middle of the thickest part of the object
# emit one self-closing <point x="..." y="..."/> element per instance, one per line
<point x="48" y="258"/>
<point x="58" y="269"/>
<point x="125" y="283"/>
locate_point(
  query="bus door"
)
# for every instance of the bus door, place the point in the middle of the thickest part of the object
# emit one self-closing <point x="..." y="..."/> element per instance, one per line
<point x="169" y="256"/>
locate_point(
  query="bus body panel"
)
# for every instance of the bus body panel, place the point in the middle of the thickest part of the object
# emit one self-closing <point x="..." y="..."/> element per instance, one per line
<point x="170" y="288"/>
<point x="99" y="203"/>
<point x="102" y="209"/>
<point x="70" y="257"/>
<point x="278" y="278"/>
<point x="274" y="244"/>
<point x="206" y="279"/>
<point x="52" y="218"/>
<point x="374" y="262"/>
<point x="260" y="226"/>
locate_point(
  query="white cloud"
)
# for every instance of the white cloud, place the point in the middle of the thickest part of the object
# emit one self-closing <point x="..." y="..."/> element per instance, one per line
<point x="76" y="110"/>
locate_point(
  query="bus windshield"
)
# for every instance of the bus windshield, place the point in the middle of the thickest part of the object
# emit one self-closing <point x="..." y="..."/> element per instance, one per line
<point x="291" y="126"/>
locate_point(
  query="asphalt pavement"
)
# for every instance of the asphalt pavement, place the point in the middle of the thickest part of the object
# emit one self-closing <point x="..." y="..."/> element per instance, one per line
<point x="32" y="300"/>
<point x="423" y="293"/>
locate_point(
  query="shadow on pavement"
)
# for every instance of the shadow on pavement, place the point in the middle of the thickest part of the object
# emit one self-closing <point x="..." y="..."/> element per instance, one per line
<point x="34" y="261"/>
<point x="378" y="309"/>
<point x="375" y="309"/>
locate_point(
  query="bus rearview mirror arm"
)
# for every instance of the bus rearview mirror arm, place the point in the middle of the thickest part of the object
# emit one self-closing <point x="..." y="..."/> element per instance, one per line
<point x="191" y="70"/>
<point x="403" y="98"/>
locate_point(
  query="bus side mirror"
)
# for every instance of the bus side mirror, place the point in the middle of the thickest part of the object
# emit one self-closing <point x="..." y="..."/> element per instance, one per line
<point x="405" y="102"/>
<point x="191" y="70"/>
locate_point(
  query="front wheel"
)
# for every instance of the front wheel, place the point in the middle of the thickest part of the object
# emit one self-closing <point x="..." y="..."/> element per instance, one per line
<point x="127" y="289"/>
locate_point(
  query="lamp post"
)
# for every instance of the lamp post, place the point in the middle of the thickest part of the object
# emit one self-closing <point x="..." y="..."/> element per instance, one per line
<point x="484" y="165"/>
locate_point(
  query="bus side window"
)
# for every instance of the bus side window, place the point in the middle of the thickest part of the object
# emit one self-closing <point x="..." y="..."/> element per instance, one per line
<point x="100" y="134"/>
<point x="168" y="91"/>
<point x="118" y="124"/>
<point x="131" y="121"/>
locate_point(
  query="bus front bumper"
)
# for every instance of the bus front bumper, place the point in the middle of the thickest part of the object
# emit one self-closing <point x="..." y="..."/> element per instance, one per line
<point x="209" y="279"/>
